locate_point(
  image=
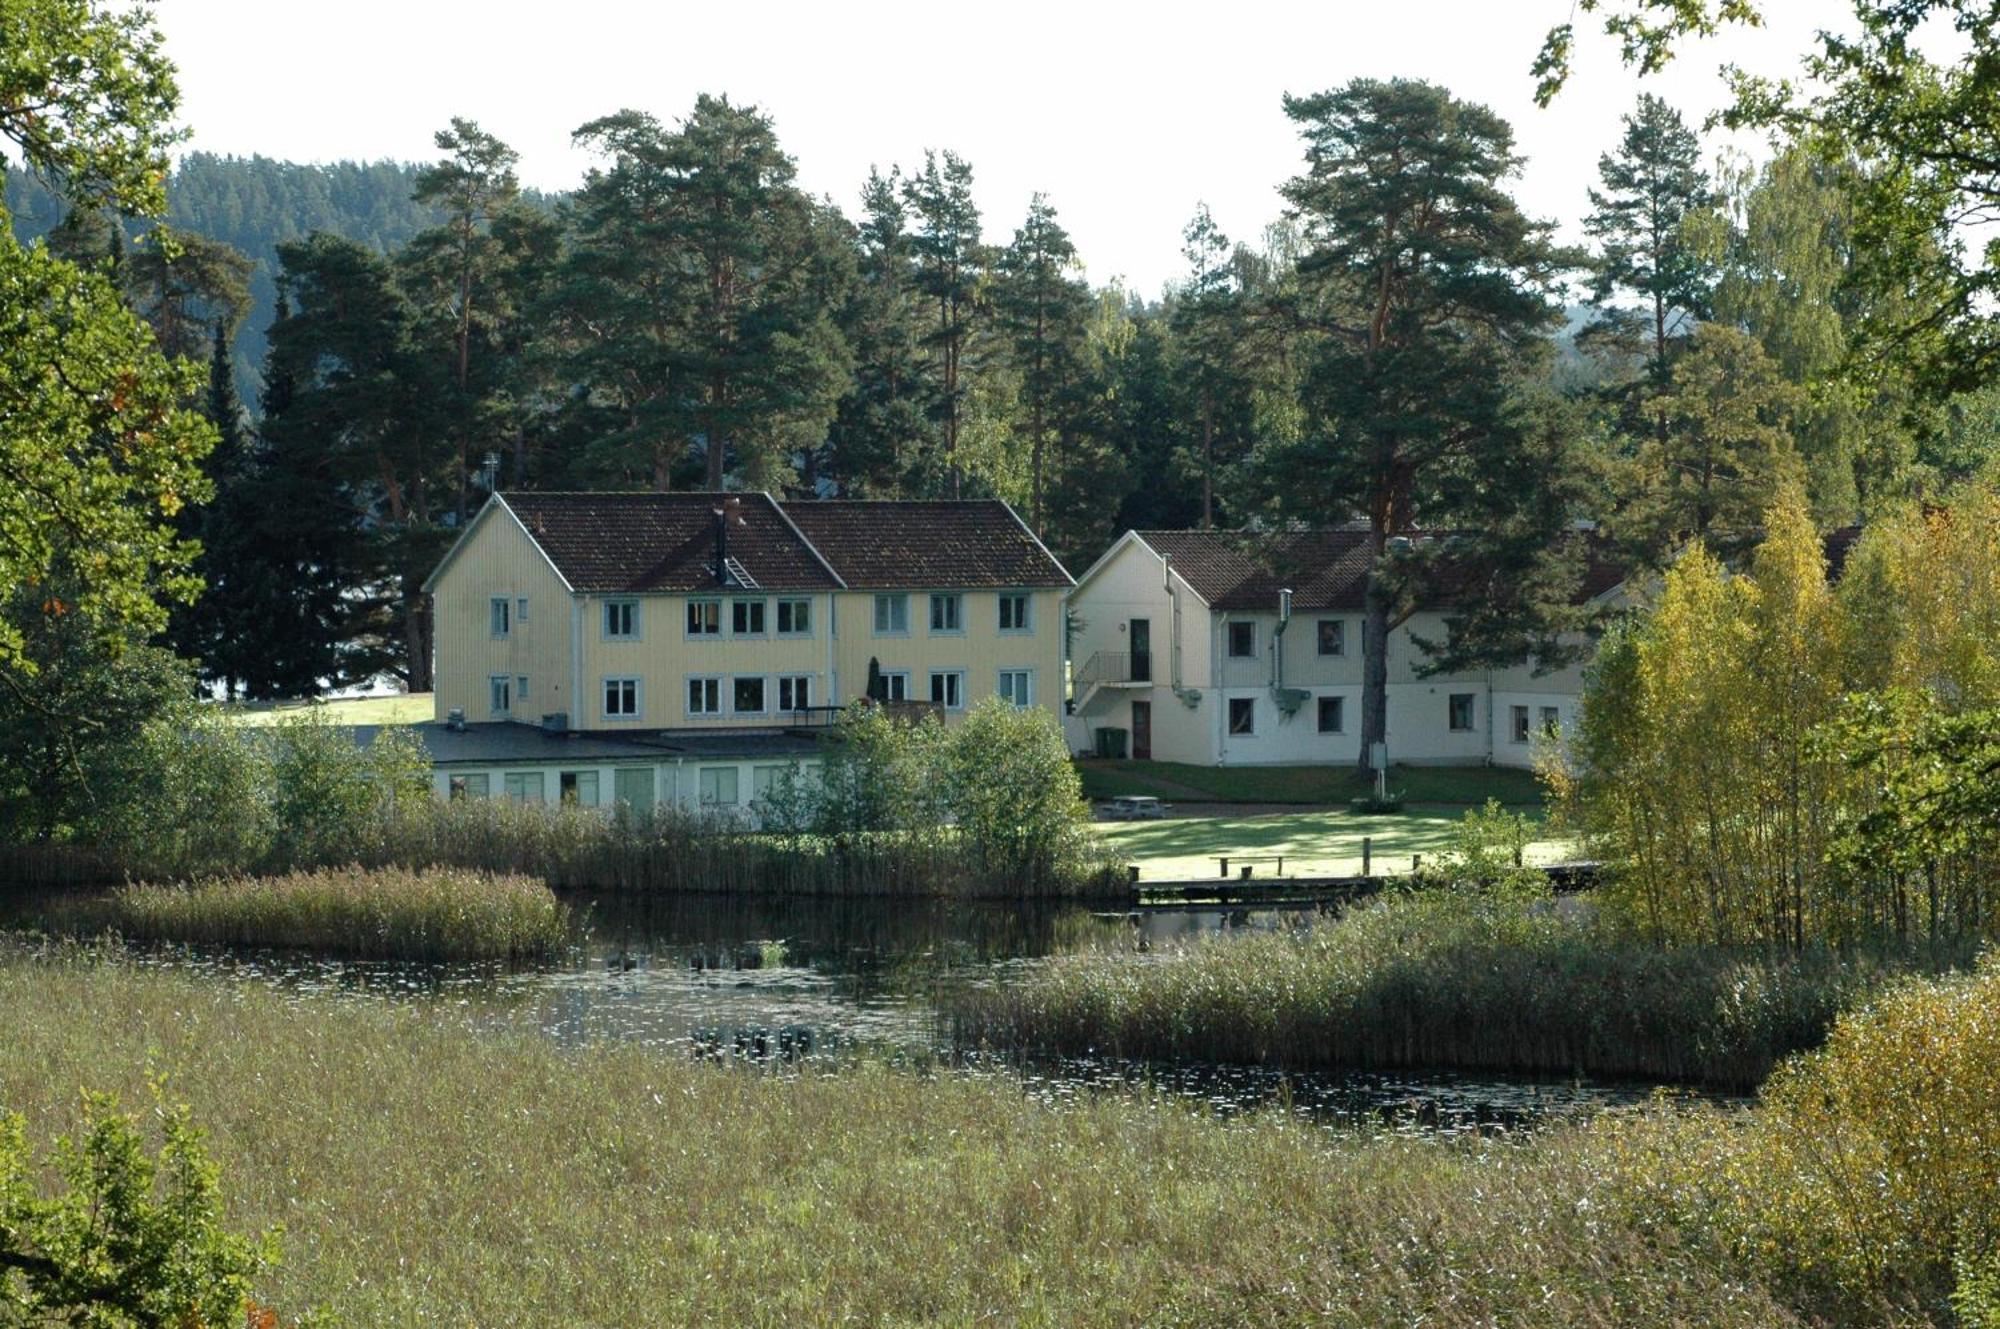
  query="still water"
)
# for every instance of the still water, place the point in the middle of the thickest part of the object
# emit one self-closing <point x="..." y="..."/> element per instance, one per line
<point x="783" y="982"/>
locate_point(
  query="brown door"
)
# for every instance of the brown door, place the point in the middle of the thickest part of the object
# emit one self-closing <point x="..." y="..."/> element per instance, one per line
<point x="1142" y="731"/>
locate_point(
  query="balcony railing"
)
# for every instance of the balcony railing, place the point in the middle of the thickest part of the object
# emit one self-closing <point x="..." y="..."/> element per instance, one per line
<point x="1112" y="667"/>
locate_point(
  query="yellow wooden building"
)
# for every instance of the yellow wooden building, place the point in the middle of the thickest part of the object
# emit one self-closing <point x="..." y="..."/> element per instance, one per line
<point x="689" y="647"/>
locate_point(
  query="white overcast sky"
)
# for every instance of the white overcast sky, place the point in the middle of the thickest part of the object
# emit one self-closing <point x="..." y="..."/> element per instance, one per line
<point x="1126" y="115"/>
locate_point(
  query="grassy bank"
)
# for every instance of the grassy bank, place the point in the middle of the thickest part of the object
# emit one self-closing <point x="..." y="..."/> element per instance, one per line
<point x="1313" y="843"/>
<point x="1432" y="979"/>
<point x="1329" y="785"/>
<point x="427" y="1174"/>
<point x="384" y="914"/>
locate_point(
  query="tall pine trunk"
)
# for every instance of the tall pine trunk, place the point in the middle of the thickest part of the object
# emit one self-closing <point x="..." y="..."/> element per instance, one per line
<point x="1374" y="654"/>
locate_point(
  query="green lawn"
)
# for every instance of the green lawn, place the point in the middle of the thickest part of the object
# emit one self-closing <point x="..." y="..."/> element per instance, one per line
<point x="1463" y="785"/>
<point x="403" y="708"/>
<point x="1313" y="843"/>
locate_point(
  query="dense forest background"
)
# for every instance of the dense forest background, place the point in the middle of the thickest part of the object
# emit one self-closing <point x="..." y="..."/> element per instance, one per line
<point x="386" y="341"/>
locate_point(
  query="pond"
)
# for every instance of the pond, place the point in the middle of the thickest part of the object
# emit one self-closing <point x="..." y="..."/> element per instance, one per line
<point x="800" y="980"/>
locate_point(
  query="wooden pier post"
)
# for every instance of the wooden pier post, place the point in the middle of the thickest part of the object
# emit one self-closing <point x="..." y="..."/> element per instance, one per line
<point x="1367" y="855"/>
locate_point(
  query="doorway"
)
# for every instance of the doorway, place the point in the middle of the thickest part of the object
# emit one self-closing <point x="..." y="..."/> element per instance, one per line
<point x="1142" y="650"/>
<point x="1142" y="731"/>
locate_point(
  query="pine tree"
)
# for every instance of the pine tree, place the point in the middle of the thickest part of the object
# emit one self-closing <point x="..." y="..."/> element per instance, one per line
<point x="1208" y="326"/>
<point x="1425" y="292"/>
<point x="184" y="284"/>
<point x="950" y="263"/>
<point x="1654" y="189"/>
<point x="883" y="419"/>
<point x="1041" y="309"/>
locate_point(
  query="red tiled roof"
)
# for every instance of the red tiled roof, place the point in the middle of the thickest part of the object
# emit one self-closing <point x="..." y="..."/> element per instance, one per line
<point x="666" y="542"/>
<point x="975" y="543"/>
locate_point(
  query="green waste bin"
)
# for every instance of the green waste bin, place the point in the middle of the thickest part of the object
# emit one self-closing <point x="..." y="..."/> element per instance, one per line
<point x="1110" y="741"/>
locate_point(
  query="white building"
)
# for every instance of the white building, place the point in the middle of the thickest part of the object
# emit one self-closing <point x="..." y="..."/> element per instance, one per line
<point x="1181" y="639"/>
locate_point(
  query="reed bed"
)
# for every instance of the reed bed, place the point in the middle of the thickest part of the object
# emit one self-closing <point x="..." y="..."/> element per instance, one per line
<point x="428" y="1173"/>
<point x="359" y="913"/>
<point x="1434" y="979"/>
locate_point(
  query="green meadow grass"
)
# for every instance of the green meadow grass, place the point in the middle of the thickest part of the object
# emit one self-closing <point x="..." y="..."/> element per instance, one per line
<point x="401" y="708"/>
<point x="361" y="913"/>
<point x="1313" y="843"/>
<point x="426" y="1173"/>
<point x="1469" y="786"/>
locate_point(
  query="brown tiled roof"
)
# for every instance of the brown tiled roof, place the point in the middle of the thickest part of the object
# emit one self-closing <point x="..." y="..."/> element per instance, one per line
<point x="891" y="543"/>
<point x="666" y="542"/>
<point x="1325" y="569"/>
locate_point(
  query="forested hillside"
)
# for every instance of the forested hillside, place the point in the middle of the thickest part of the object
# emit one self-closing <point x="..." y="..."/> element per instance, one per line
<point x="254" y="204"/>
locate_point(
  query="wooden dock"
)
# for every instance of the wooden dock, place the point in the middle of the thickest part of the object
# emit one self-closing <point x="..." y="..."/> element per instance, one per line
<point x="1567" y="878"/>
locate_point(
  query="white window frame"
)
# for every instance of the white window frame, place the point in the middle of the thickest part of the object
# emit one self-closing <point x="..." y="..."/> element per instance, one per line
<point x="1027" y="689"/>
<point x="520" y="689"/>
<point x="896" y="681"/>
<point x="1520" y="724"/>
<point x="633" y="625"/>
<point x="1339" y="626"/>
<point x="703" y="776"/>
<point x="957" y="675"/>
<point x="580" y="777"/>
<point x="763" y="692"/>
<point x="500" y="617"/>
<point x="1229" y="646"/>
<point x="515" y="786"/>
<point x="897" y="603"/>
<point x="1471" y="712"/>
<point x="800" y="687"/>
<point x="521" y="610"/>
<point x="797" y="606"/>
<point x="746" y="609"/>
<point x="687" y="695"/>
<point x="1024" y="624"/>
<point x="950" y="606"/>
<point x="1339" y="713"/>
<point x="688" y="622"/>
<point x="1552" y="722"/>
<point x="638" y="697"/>
<point x="500" y="688"/>
<point x="1249" y="704"/>
<point x="470" y="784"/>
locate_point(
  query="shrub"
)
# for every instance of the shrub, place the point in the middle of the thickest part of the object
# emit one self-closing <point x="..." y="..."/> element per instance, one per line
<point x="134" y="1237"/>
<point x="1869" y="1174"/>
<point x="436" y="914"/>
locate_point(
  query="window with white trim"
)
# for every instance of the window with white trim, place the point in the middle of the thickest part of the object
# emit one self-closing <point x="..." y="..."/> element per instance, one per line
<point x="704" y="618"/>
<point x="499" y="616"/>
<point x="746" y="618"/>
<point x="1459" y="712"/>
<point x="1552" y="722"/>
<point x="471" y="785"/>
<point x="704" y="696"/>
<point x="746" y="694"/>
<point x="621" y="619"/>
<point x="578" y="787"/>
<point x="763" y="779"/>
<point x="892" y="615"/>
<point x="1017" y="686"/>
<point x="500" y="694"/>
<point x="621" y="698"/>
<point x="794" y="692"/>
<point x="521" y="610"/>
<point x="523" y="786"/>
<point x="1517" y="724"/>
<point x="1016" y="613"/>
<point x="795" y="618"/>
<point x="896" y="685"/>
<point x="948" y="688"/>
<point x="718" y="785"/>
<point x="947" y="613"/>
<point x="521" y="689"/>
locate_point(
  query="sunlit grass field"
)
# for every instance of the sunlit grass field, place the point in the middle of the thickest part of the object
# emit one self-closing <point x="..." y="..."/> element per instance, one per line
<point x="402" y="708"/>
<point x="1324" y="784"/>
<point x="1313" y="843"/>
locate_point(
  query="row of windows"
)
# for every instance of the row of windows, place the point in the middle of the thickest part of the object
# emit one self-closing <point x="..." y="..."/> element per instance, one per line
<point x="716" y="786"/>
<point x="1329" y="635"/>
<point x="755" y="694"/>
<point x="1460" y="714"/>
<point x="622" y="619"/>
